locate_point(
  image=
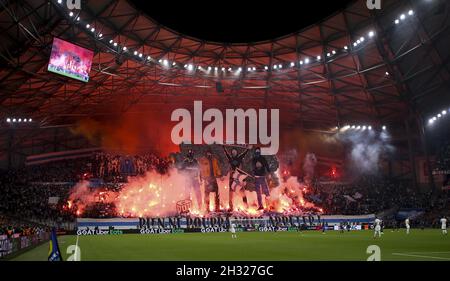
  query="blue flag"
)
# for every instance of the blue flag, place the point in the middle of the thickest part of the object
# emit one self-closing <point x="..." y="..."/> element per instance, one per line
<point x="54" y="254"/>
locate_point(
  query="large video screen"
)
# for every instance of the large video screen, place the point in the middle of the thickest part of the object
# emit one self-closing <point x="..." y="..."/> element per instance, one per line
<point x="70" y="60"/>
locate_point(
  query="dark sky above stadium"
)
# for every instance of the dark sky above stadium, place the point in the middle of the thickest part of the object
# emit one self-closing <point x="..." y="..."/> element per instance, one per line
<point x="239" y="21"/>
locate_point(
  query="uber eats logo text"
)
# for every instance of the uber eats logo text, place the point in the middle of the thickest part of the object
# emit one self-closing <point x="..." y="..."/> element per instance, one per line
<point x="98" y="232"/>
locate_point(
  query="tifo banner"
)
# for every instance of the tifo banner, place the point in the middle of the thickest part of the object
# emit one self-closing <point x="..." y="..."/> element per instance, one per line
<point x="218" y="222"/>
<point x="61" y="155"/>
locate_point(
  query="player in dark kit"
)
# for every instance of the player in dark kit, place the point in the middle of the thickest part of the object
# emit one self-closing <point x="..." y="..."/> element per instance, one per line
<point x="190" y="167"/>
<point x="235" y="161"/>
<point x="260" y="171"/>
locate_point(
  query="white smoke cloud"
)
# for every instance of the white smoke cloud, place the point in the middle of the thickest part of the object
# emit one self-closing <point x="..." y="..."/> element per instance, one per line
<point x="366" y="149"/>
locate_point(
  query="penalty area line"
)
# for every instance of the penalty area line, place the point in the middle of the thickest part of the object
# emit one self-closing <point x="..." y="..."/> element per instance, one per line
<point x="420" y="256"/>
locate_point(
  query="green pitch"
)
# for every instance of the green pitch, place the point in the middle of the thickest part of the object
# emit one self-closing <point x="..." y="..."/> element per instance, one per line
<point x="426" y="245"/>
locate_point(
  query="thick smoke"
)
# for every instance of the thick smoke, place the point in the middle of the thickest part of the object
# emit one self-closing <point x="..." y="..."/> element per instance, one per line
<point x="366" y="149"/>
<point x="129" y="133"/>
<point x="309" y="166"/>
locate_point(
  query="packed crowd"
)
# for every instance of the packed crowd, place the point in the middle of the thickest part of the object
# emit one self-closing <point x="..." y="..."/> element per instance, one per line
<point x="23" y="199"/>
<point x="443" y="159"/>
<point x="368" y="195"/>
<point x="107" y="165"/>
<point x="9" y="228"/>
<point x="40" y="193"/>
<point x="26" y="192"/>
<point x="376" y="195"/>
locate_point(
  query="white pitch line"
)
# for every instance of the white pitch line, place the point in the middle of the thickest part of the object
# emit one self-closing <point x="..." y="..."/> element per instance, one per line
<point x="420" y="256"/>
<point x="76" y="248"/>
<point x="427" y="252"/>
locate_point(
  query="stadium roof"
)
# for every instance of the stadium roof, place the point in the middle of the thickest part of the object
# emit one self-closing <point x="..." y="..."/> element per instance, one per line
<point x="371" y="69"/>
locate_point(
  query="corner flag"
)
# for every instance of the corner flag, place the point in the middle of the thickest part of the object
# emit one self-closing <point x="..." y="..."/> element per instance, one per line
<point x="54" y="254"/>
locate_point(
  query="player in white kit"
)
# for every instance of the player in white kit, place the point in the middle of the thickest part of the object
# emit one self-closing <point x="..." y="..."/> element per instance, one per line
<point x="377" y="232"/>
<point x="444" y="225"/>
<point x="233" y="231"/>
<point x="408" y="227"/>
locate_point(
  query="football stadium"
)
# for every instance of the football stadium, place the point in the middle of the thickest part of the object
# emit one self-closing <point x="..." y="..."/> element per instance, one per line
<point x="131" y="132"/>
